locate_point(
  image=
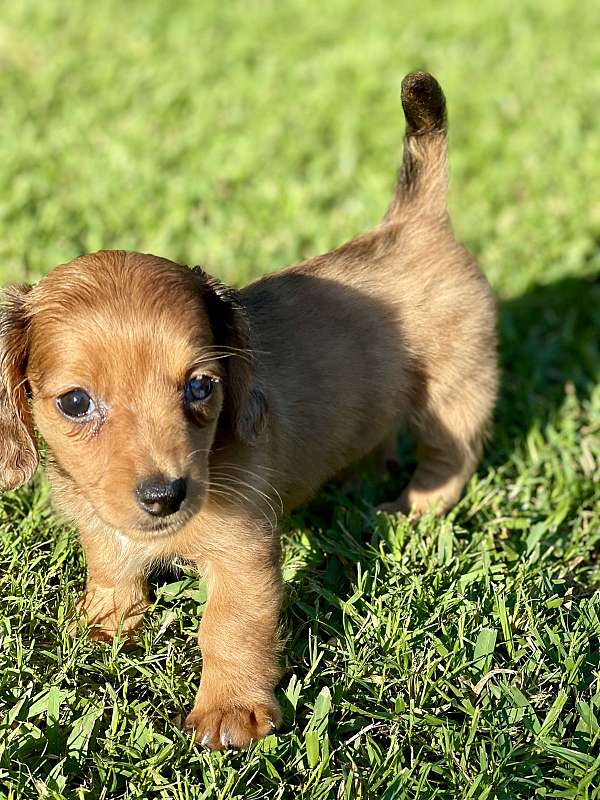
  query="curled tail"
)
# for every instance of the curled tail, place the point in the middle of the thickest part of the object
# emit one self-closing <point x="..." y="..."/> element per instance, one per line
<point x="423" y="176"/>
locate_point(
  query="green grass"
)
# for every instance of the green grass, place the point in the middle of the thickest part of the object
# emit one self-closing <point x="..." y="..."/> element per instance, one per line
<point x="460" y="659"/>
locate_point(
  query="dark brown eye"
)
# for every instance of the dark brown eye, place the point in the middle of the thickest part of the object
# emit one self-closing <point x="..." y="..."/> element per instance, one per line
<point x="198" y="389"/>
<point x="76" y="404"/>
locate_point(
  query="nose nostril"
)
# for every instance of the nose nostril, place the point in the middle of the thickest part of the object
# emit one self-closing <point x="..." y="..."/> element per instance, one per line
<point x="160" y="496"/>
<point x="179" y="491"/>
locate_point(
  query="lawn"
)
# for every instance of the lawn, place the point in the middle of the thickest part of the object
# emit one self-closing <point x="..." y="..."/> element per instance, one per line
<point x="458" y="659"/>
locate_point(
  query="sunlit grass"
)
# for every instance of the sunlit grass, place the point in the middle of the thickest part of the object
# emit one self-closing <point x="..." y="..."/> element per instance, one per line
<point x="459" y="659"/>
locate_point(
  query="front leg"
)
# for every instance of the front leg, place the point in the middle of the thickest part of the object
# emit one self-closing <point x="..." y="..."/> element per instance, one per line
<point x="116" y="591"/>
<point x="238" y="638"/>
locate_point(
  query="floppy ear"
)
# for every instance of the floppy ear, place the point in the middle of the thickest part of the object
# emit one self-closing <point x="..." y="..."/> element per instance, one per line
<point x="18" y="449"/>
<point x="245" y="405"/>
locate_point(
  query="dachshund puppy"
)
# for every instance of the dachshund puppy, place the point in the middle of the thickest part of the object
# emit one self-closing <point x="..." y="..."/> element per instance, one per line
<point x="183" y="418"/>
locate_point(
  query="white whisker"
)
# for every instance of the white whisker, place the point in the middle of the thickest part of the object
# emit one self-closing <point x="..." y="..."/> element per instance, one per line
<point x="233" y="491"/>
<point x="252" y="474"/>
<point x="262" y="494"/>
<point x="195" y="452"/>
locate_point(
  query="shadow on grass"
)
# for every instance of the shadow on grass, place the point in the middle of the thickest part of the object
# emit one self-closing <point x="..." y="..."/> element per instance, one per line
<point x="549" y="347"/>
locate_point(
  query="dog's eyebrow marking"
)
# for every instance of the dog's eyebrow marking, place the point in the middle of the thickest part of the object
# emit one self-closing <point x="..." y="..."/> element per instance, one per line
<point x="207" y="359"/>
<point x="248" y="350"/>
<point x="218" y="354"/>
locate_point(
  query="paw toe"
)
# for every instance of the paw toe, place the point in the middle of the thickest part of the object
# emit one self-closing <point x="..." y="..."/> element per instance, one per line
<point x="232" y="726"/>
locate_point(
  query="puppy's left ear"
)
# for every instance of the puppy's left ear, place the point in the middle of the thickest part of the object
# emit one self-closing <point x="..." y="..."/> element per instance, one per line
<point x="245" y="405"/>
<point x="18" y="449"/>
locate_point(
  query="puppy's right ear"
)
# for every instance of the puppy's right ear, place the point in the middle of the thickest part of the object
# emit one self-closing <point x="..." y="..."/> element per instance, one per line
<point x="245" y="408"/>
<point x="18" y="449"/>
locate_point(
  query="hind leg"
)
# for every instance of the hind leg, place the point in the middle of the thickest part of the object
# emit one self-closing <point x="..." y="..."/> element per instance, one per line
<point x="443" y="468"/>
<point x="449" y="441"/>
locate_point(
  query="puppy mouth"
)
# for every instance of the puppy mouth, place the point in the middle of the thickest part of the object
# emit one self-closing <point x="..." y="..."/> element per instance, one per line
<point x="166" y="526"/>
<point x="149" y="530"/>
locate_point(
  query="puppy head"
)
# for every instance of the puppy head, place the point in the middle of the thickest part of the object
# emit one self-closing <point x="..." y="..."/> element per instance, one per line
<point x="127" y="365"/>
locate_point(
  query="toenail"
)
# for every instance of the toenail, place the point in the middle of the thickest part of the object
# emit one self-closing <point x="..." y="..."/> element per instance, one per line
<point x="226" y="740"/>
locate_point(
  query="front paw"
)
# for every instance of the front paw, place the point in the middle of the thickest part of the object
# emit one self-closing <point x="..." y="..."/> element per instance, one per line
<point x="232" y="723"/>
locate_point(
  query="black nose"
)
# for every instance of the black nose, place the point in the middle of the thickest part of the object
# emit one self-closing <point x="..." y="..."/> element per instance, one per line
<point x="161" y="496"/>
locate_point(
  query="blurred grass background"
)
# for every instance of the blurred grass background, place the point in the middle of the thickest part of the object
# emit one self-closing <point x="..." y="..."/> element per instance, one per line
<point x="250" y="135"/>
<point x="246" y="136"/>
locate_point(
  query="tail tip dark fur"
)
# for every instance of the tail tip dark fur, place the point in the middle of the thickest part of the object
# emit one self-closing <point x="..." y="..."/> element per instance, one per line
<point x="424" y="103"/>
